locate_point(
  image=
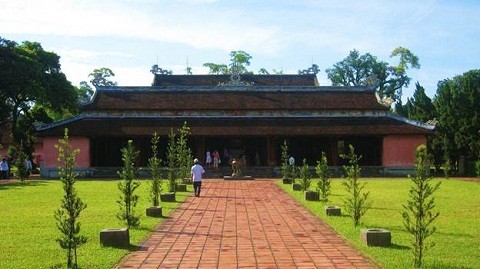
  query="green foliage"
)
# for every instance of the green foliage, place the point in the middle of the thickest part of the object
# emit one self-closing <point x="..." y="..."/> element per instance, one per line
<point x="305" y="177"/>
<point x="30" y="76"/>
<point x="71" y="205"/>
<point x="419" y="107"/>
<point x="366" y="69"/>
<point x="457" y="104"/>
<point x="154" y="163"/>
<point x="356" y="204"/>
<point x="128" y="199"/>
<point x="418" y="216"/>
<point x="238" y="60"/>
<point x="101" y="77"/>
<point x="324" y="182"/>
<point x="285" y="166"/>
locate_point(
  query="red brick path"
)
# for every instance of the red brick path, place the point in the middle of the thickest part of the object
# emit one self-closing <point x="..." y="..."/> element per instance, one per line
<point x="244" y="224"/>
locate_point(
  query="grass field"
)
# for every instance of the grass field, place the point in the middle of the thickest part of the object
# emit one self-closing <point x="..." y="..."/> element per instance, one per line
<point x="457" y="238"/>
<point x="28" y="229"/>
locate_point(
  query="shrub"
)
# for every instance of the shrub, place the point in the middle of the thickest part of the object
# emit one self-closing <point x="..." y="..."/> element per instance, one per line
<point x="285" y="166"/>
<point x="477" y="167"/>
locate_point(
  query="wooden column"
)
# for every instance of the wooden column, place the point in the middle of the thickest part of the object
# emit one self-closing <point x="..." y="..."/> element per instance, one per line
<point x="272" y="152"/>
<point x="200" y="147"/>
<point x="334" y="151"/>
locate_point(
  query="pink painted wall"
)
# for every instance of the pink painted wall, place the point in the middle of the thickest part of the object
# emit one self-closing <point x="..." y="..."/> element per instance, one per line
<point x="50" y="154"/>
<point x="399" y="150"/>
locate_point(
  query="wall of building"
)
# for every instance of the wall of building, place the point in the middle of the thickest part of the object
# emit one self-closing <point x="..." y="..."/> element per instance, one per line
<point x="399" y="150"/>
<point x="49" y="166"/>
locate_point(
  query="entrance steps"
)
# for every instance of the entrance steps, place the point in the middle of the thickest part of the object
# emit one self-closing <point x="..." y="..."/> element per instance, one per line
<point x="254" y="171"/>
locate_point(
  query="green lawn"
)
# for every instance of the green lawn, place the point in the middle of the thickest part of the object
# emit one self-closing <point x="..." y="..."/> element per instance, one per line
<point x="28" y="229"/>
<point x="457" y="238"/>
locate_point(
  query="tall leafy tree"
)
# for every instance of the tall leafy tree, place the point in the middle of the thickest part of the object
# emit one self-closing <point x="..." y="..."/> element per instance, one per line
<point x="31" y="76"/>
<point x="85" y="92"/>
<point x="101" y="77"/>
<point x="239" y="60"/>
<point x="366" y="69"/>
<point x="457" y="104"/>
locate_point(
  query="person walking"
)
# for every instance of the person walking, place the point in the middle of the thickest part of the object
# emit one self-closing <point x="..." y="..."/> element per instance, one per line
<point x="197" y="172"/>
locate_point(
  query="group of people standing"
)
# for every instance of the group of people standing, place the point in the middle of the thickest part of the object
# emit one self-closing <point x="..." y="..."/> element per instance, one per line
<point x="212" y="159"/>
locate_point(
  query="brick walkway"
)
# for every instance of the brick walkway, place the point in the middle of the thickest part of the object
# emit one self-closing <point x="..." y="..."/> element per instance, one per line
<point x="243" y="224"/>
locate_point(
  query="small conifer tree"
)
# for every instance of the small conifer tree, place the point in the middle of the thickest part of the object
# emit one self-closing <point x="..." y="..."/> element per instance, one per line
<point x="71" y="205"/>
<point x="324" y="182"/>
<point x="356" y="204"/>
<point x="172" y="161"/>
<point x="184" y="154"/>
<point x="305" y="177"/>
<point x="22" y="170"/>
<point x="154" y="163"/>
<point x="285" y="166"/>
<point x="127" y="186"/>
<point x="419" y="212"/>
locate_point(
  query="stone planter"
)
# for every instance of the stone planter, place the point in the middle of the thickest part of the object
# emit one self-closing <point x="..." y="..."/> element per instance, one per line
<point x="154" y="211"/>
<point x="312" y="196"/>
<point x="186" y="181"/>
<point x="167" y="197"/>
<point x="297" y="187"/>
<point x="333" y="210"/>
<point x="115" y="237"/>
<point x="376" y="237"/>
<point x="287" y="180"/>
<point x="182" y="187"/>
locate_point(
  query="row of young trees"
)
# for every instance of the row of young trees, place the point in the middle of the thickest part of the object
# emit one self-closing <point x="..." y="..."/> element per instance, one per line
<point x="419" y="209"/>
<point x="71" y="206"/>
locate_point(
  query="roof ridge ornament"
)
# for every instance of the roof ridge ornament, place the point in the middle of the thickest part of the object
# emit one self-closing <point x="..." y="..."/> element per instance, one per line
<point x="235" y="79"/>
<point x="157" y="70"/>
<point x="311" y="70"/>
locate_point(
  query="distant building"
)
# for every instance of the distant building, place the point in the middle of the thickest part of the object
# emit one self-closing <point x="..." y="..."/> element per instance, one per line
<point x="250" y="115"/>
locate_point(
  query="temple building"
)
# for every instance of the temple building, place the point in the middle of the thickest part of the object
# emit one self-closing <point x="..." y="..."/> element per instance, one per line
<point x="244" y="115"/>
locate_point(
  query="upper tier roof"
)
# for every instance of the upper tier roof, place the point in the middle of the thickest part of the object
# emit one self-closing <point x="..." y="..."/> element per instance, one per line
<point x="226" y="98"/>
<point x="255" y="80"/>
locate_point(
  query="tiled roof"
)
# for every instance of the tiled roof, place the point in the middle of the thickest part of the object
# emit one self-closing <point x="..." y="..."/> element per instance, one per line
<point x="235" y="98"/>
<point x="121" y="125"/>
<point x="215" y="80"/>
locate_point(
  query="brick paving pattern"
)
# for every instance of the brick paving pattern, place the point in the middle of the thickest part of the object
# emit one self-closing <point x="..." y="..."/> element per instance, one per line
<point x="244" y="224"/>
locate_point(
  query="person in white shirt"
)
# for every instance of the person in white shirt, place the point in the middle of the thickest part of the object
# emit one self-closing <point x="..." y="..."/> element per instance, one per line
<point x="197" y="172"/>
<point x="4" y="169"/>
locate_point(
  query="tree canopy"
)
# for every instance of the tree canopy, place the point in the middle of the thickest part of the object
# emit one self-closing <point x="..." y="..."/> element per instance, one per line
<point x="239" y="60"/>
<point x="457" y="105"/>
<point x="101" y="77"/>
<point x="31" y="76"/>
<point x="366" y="69"/>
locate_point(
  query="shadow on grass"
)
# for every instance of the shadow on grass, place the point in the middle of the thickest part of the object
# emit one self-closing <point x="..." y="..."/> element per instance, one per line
<point x="399" y="247"/>
<point x="16" y="184"/>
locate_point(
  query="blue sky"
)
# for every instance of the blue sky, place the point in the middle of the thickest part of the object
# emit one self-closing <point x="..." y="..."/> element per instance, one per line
<point x="129" y="36"/>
